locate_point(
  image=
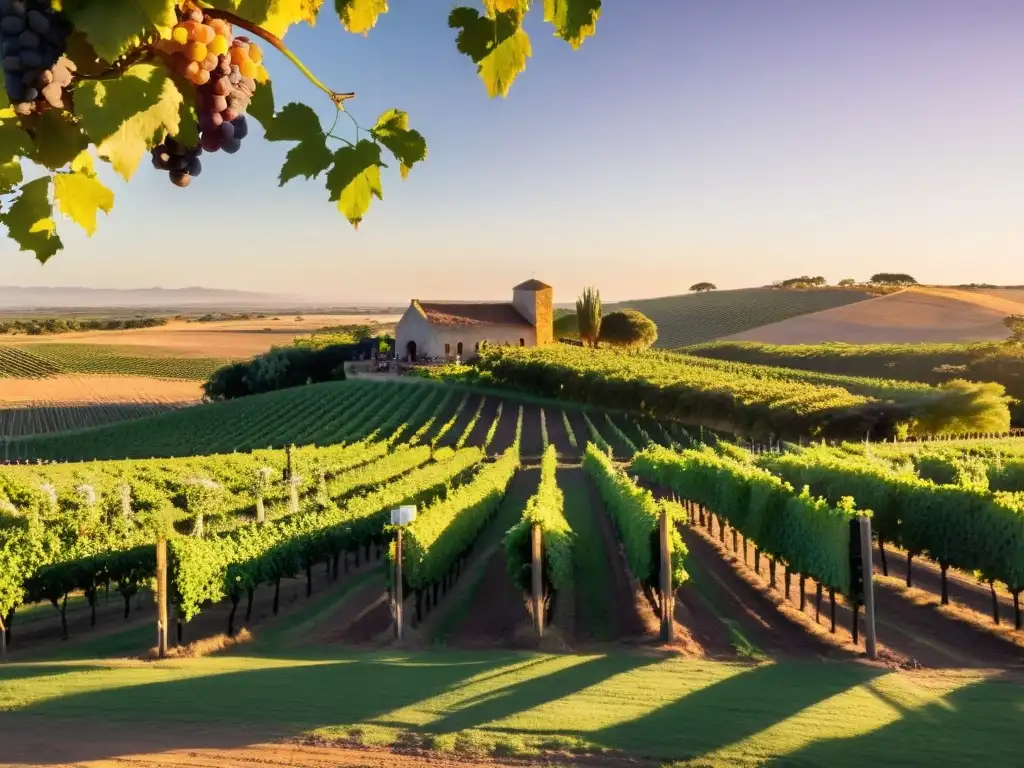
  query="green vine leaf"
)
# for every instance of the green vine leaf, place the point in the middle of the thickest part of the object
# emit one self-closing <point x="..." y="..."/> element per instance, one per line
<point x="275" y="16"/>
<point x="360" y="16"/>
<point x="10" y="176"/>
<point x="574" y="20"/>
<point x="355" y="179"/>
<point x="130" y="115"/>
<point x="495" y="7"/>
<point x="14" y="142"/>
<point x="58" y="139"/>
<point x="114" y="27"/>
<point x="261" y="108"/>
<point x="498" y="46"/>
<point x="80" y="194"/>
<point x="296" y="122"/>
<point x="408" y="146"/>
<point x="309" y="158"/>
<point x="30" y="221"/>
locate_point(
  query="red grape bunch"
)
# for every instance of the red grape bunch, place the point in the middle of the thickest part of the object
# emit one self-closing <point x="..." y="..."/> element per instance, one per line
<point x="33" y="38"/>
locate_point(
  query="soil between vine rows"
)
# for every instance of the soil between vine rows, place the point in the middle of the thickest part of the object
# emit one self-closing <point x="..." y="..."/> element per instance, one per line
<point x="452" y="436"/>
<point x="478" y="434"/>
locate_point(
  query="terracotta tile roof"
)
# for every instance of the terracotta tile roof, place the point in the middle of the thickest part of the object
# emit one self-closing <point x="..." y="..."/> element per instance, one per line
<point x="455" y="313"/>
<point x="532" y="285"/>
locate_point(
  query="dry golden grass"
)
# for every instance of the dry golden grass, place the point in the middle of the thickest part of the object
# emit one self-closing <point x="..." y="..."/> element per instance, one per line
<point x="236" y="339"/>
<point x="205" y="647"/>
<point x="95" y="390"/>
<point x="922" y="314"/>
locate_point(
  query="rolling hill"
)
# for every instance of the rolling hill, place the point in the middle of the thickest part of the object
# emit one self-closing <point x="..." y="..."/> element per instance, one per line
<point x="698" y="317"/>
<point x="924" y="314"/>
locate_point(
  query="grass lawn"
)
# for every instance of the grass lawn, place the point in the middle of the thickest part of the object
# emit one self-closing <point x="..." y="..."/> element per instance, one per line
<point x="661" y="709"/>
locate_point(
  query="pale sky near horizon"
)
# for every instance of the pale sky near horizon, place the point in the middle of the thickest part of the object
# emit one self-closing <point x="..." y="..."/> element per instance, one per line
<point x="736" y="141"/>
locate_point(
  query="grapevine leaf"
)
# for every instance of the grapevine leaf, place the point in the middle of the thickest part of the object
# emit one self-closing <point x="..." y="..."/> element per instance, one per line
<point x="57" y="139"/>
<point x="296" y="122"/>
<point x="355" y="179"/>
<point x="308" y="158"/>
<point x="14" y="142"/>
<point x="275" y="16"/>
<point x="127" y="116"/>
<point x="392" y="130"/>
<point x="114" y="27"/>
<point x="10" y="176"/>
<point x="262" y="105"/>
<point x="574" y="20"/>
<point x="80" y="194"/>
<point x="360" y="16"/>
<point x="499" y="46"/>
<point x="495" y="7"/>
<point x="30" y="221"/>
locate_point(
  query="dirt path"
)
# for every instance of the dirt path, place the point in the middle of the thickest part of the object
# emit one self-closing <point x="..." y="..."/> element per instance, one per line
<point x="452" y="436"/>
<point x="757" y="617"/>
<point x="607" y="606"/>
<point x="442" y="417"/>
<point x="30" y="741"/>
<point x="506" y="432"/>
<point x="962" y="588"/>
<point x="558" y="435"/>
<point x="579" y="428"/>
<point x="531" y="445"/>
<point x="908" y="635"/>
<point x="496" y="614"/>
<point x="479" y="432"/>
<point x="619" y="448"/>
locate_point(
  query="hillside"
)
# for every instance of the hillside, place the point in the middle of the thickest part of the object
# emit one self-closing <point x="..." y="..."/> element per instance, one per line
<point x="925" y="314"/>
<point x="697" y="317"/>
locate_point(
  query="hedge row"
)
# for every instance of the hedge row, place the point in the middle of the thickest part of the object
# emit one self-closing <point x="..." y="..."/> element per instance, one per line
<point x="811" y="536"/>
<point x="637" y="517"/>
<point x="957" y="526"/>
<point x="545" y="508"/>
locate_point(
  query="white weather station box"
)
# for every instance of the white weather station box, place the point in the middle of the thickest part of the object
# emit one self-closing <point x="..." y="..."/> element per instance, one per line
<point x="403" y="515"/>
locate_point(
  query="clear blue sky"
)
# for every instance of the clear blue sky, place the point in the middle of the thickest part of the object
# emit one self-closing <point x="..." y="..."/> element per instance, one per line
<point x="737" y="141"/>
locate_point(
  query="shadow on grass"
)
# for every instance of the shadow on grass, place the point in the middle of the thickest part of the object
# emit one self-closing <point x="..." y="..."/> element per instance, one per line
<point x="732" y="709"/>
<point x="976" y="725"/>
<point x="229" y="709"/>
<point x="535" y="691"/>
<point x="28" y="671"/>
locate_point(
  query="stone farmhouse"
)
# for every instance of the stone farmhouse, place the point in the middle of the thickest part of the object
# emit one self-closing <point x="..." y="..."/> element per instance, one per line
<point x="446" y="329"/>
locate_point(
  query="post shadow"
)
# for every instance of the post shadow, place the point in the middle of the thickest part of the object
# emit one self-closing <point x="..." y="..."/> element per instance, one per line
<point x="732" y="709"/>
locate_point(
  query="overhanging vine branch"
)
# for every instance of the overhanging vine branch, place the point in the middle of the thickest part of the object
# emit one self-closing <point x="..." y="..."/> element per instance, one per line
<point x="338" y="98"/>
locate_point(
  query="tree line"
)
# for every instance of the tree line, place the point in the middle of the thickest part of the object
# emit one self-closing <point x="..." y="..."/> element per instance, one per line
<point x="53" y="325"/>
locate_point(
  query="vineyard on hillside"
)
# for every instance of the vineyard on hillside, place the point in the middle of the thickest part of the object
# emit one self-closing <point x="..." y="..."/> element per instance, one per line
<point x="249" y="532"/>
<point x="37" y="360"/>
<point x="929" y="363"/>
<point x="755" y="400"/>
<point x="700" y="317"/>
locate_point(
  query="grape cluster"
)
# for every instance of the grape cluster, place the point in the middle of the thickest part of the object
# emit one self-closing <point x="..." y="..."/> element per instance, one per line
<point x="180" y="161"/>
<point x="225" y="70"/>
<point x="33" y="39"/>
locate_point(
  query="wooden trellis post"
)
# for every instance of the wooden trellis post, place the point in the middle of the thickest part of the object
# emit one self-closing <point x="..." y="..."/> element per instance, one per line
<point x="536" y="542"/>
<point x="161" y="598"/>
<point x="667" y="625"/>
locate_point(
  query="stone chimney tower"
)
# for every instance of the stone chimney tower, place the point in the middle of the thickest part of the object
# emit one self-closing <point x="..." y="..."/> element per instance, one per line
<point x="535" y="301"/>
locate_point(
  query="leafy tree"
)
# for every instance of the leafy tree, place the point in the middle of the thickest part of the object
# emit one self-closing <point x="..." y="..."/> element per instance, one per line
<point x="588" y="316"/>
<point x="1015" y="325"/>
<point x="628" y="328"/>
<point x="703" y="287"/>
<point x="893" y="278"/>
<point x="805" y="281"/>
<point x="846" y="282"/>
<point x="116" y="80"/>
<point x="566" y="325"/>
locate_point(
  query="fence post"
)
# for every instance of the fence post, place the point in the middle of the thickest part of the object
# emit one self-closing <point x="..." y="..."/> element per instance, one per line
<point x="398" y="586"/>
<point x="667" y="627"/>
<point x="161" y="597"/>
<point x="538" y="578"/>
<point x="869" y="586"/>
<point x="3" y="641"/>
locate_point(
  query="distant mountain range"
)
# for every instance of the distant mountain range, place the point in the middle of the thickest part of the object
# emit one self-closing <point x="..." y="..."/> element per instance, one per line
<point x="15" y="297"/>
